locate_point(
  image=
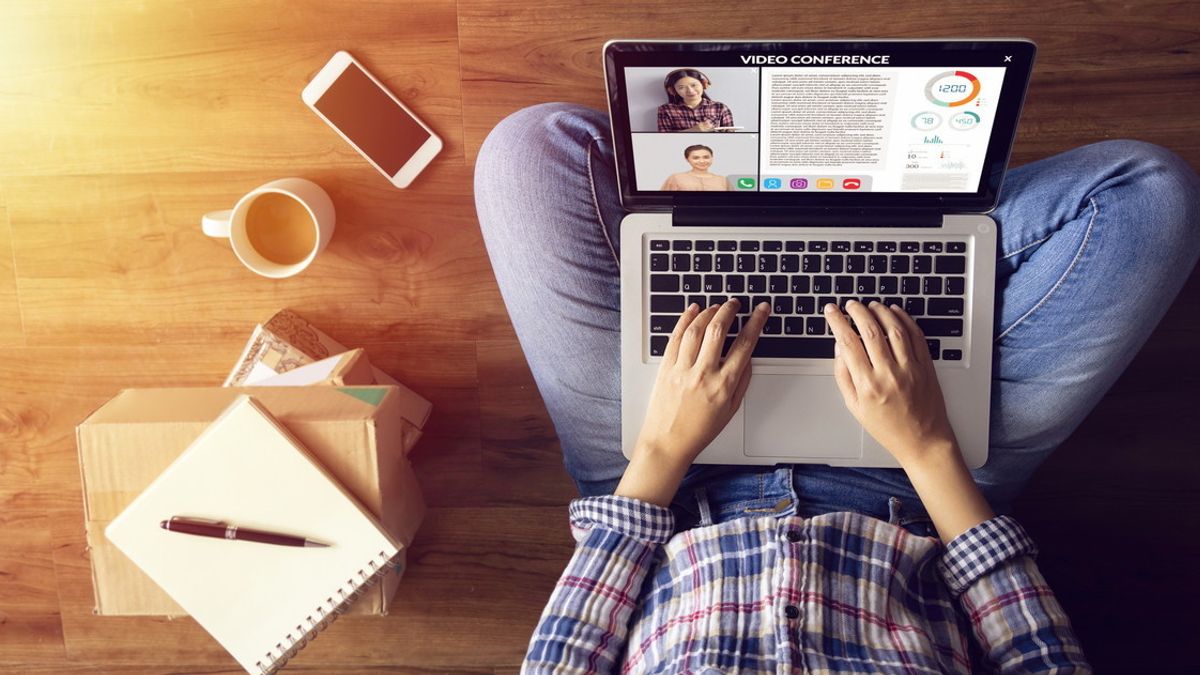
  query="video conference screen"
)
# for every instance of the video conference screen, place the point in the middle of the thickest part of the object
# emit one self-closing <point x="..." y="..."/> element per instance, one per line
<point x="811" y="127"/>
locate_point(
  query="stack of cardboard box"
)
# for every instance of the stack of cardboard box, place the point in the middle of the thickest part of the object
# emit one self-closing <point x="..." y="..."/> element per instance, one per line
<point x="355" y="419"/>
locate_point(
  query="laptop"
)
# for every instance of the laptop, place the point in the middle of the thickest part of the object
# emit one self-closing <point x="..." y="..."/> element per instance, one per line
<point x="805" y="172"/>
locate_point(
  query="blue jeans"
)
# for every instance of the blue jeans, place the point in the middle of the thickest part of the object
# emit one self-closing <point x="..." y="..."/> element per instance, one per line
<point x="1094" y="244"/>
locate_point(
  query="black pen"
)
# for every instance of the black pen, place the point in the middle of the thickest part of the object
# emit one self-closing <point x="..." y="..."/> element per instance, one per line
<point x="221" y="530"/>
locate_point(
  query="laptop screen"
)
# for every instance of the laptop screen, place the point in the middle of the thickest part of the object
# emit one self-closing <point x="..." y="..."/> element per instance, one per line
<point x="875" y="123"/>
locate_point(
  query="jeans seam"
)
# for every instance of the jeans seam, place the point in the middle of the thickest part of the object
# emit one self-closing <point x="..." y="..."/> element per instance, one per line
<point x="1006" y="256"/>
<point x="596" y="204"/>
<point x="1087" y="235"/>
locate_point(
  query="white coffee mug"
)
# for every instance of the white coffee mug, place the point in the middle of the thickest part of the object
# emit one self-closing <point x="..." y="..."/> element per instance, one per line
<point x="277" y="229"/>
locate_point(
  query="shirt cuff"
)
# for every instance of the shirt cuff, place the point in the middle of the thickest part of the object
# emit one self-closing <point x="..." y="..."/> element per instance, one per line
<point x="623" y="515"/>
<point x="982" y="549"/>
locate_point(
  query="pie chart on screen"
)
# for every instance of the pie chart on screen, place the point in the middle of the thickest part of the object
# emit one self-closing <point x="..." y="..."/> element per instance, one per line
<point x="952" y="88"/>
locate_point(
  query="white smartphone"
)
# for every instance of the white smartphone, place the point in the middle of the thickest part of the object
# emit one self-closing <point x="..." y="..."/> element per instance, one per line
<point x="371" y="119"/>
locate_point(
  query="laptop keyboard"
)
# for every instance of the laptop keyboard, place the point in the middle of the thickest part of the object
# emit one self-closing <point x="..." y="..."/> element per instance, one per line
<point x="798" y="276"/>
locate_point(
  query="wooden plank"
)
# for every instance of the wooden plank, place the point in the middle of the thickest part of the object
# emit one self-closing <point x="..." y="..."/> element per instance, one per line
<point x="11" y="332"/>
<point x="30" y="629"/>
<point x="130" y="87"/>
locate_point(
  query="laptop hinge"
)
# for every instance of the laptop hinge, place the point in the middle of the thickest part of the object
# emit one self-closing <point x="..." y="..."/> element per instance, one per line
<point x="743" y="216"/>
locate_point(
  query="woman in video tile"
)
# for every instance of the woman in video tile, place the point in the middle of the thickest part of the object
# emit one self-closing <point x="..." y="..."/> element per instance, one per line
<point x="699" y="178"/>
<point x="688" y="106"/>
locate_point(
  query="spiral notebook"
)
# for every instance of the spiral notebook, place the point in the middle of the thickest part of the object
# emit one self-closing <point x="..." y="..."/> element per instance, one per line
<point x="262" y="602"/>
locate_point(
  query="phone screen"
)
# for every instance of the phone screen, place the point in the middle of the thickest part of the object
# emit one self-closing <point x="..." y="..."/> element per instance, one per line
<point x="369" y="117"/>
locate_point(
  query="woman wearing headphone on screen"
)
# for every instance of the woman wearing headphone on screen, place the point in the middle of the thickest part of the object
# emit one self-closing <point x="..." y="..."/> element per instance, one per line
<point x="699" y="178"/>
<point x="688" y="106"/>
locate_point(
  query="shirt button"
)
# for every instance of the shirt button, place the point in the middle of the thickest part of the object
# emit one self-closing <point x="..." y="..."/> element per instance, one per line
<point x="793" y="536"/>
<point x="792" y="611"/>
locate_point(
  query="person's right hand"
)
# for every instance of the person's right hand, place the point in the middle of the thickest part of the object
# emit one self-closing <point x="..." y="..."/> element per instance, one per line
<point x="887" y="380"/>
<point x="705" y="125"/>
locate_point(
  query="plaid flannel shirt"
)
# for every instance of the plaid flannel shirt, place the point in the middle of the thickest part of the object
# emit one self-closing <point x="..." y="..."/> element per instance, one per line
<point x="679" y="117"/>
<point x="837" y="592"/>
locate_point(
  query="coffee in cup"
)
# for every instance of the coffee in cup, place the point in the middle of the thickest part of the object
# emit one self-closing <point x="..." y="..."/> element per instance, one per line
<point x="276" y="229"/>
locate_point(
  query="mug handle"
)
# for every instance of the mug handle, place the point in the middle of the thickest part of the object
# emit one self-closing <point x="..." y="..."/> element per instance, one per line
<point x="217" y="224"/>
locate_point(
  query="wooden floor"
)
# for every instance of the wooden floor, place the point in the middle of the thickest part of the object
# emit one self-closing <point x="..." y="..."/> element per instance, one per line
<point x="122" y="122"/>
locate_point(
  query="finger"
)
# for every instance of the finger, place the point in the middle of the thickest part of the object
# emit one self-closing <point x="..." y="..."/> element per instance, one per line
<point x="845" y="383"/>
<point x="671" y="353"/>
<point x="693" y="337"/>
<point x="738" y="357"/>
<point x="740" y="392"/>
<point x="895" y="331"/>
<point x="714" y="335"/>
<point x="916" y="336"/>
<point x="850" y="348"/>
<point x="871" y="333"/>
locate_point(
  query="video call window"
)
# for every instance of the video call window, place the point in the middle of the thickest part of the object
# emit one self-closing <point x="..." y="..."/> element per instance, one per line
<point x="800" y="129"/>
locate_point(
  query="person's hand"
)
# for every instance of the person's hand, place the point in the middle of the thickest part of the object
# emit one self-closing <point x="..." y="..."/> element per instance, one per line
<point x="887" y="380"/>
<point x="695" y="394"/>
<point x="704" y="125"/>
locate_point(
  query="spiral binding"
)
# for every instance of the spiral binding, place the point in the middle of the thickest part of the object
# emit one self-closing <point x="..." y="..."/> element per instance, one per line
<point x="326" y="613"/>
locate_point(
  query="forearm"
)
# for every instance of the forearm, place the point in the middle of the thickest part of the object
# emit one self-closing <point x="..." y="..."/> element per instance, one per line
<point x="652" y="476"/>
<point x="948" y="492"/>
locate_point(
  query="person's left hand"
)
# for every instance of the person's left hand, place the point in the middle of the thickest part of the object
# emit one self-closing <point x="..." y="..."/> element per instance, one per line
<point x="695" y="394"/>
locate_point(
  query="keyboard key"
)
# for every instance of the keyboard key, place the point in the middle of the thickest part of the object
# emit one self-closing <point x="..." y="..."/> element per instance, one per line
<point x="867" y="300"/>
<point x="702" y="262"/>
<point x="932" y="286"/>
<point x="814" y="325"/>
<point x="698" y="300"/>
<point x="956" y="247"/>
<point x="658" y="345"/>
<point x="757" y="283"/>
<point x="825" y="300"/>
<point x="773" y="246"/>
<point x="768" y="263"/>
<point x="889" y="301"/>
<point x="660" y="262"/>
<point x="840" y="247"/>
<point x="660" y="245"/>
<point x="667" y="304"/>
<point x="899" y="264"/>
<point x="744" y="307"/>
<point x="945" y="307"/>
<point x="864" y="285"/>
<point x="705" y="245"/>
<point x="681" y="262"/>
<point x="800" y="284"/>
<point x="822" y="284"/>
<point x="941" y="327"/>
<point x="833" y="264"/>
<point x="793" y="325"/>
<point x="735" y="283"/>
<point x="955" y="285"/>
<point x="792" y="347"/>
<point x="713" y="283"/>
<point x="789" y="263"/>
<point x="806" y="305"/>
<point x="794" y="246"/>
<point x="747" y="262"/>
<point x="783" y="305"/>
<point x="886" y="247"/>
<point x="864" y="246"/>
<point x="757" y="300"/>
<point x="910" y="285"/>
<point x="726" y="245"/>
<point x="843" y="285"/>
<point x="818" y="246"/>
<point x="889" y="285"/>
<point x="663" y="323"/>
<point x="934" y="348"/>
<point x="664" y="283"/>
<point x="952" y="355"/>
<point x="856" y="264"/>
<point x="910" y="247"/>
<point x="748" y="245"/>
<point x="777" y="283"/>
<point x="773" y="326"/>
<point x="810" y="263"/>
<point x="914" y="306"/>
<point x="681" y="245"/>
<point x="877" y="264"/>
<point x="723" y="262"/>
<point x="691" y="284"/>
<point x="951" y="264"/>
<point x="922" y="264"/>
<point x="933" y="247"/>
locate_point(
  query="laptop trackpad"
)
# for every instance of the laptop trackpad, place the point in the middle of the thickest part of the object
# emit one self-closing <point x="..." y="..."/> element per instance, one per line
<point x="799" y="416"/>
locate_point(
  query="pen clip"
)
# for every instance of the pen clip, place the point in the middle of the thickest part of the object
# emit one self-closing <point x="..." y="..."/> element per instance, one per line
<point x="206" y="521"/>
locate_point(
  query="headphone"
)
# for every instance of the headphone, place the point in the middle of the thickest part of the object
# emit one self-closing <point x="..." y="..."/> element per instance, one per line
<point x="671" y="95"/>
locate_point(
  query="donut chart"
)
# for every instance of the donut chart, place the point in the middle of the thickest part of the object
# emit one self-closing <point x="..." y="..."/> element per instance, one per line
<point x="952" y="88"/>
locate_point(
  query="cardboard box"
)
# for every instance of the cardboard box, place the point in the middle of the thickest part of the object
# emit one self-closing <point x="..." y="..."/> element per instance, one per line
<point x="357" y="433"/>
<point x="346" y="369"/>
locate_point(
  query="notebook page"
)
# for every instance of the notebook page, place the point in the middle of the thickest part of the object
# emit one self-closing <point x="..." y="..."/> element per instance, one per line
<point x="247" y="470"/>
